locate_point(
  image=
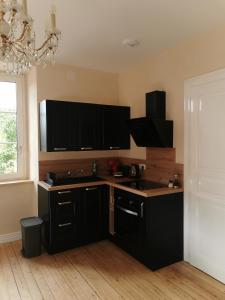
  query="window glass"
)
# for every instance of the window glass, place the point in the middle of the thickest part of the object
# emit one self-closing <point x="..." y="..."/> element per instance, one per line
<point x="8" y="128"/>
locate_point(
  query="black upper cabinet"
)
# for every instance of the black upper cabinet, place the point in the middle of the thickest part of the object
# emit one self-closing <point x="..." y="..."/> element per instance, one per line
<point x="73" y="126"/>
<point x="86" y="127"/>
<point x="55" y="125"/>
<point x="115" y="127"/>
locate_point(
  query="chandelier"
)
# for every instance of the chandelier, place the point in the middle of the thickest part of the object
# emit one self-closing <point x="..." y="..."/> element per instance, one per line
<point x="18" y="52"/>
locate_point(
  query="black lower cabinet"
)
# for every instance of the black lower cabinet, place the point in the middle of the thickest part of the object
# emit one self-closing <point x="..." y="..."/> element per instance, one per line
<point x="150" y="229"/>
<point x="73" y="217"/>
<point x="96" y="217"/>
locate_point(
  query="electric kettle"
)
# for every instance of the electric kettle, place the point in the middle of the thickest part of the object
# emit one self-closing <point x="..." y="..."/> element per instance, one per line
<point x="134" y="171"/>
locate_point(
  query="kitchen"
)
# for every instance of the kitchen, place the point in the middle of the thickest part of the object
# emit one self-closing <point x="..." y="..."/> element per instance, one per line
<point x="165" y="71"/>
<point x="74" y="216"/>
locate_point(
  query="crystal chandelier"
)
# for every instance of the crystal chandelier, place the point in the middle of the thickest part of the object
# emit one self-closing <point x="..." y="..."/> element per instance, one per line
<point x="18" y="52"/>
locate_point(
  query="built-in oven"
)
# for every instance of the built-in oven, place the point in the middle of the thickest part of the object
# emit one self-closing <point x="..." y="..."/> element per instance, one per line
<point x="129" y="218"/>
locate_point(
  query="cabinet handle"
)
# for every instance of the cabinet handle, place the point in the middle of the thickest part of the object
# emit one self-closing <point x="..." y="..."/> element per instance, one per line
<point x="142" y="210"/>
<point x="114" y="148"/>
<point x="86" y="148"/>
<point x="130" y="212"/>
<point x="64" y="192"/>
<point x="64" y="225"/>
<point x="64" y="203"/>
<point x="91" y="189"/>
<point x="60" y="149"/>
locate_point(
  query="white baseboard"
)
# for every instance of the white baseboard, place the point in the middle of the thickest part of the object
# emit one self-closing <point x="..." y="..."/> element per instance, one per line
<point x="10" y="237"/>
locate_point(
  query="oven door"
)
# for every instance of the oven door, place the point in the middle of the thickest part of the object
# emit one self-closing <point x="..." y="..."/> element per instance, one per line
<point x="128" y="222"/>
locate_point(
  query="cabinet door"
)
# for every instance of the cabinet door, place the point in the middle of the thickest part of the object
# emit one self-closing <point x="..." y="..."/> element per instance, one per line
<point x="96" y="208"/>
<point x="66" y="219"/>
<point x="115" y="127"/>
<point x="86" y="126"/>
<point x="55" y="125"/>
<point x="164" y="230"/>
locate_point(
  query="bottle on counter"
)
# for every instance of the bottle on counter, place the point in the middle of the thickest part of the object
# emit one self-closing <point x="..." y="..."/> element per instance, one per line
<point x="176" y="181"/>
<point x="170" y="184"/>
<point x="94" y="168"/>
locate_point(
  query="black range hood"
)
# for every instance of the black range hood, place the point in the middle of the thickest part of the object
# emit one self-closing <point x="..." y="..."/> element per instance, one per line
<point x="153" y="130"/>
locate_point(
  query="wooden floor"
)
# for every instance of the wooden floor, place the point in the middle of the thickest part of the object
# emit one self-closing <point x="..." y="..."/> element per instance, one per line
<point x="98" y="271"/>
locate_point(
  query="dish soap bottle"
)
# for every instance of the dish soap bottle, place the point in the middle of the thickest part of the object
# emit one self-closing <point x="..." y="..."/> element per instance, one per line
<point x="94" y="168"/>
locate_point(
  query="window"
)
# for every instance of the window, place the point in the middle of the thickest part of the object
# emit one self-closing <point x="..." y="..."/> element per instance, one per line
<point x="12" y="129"/>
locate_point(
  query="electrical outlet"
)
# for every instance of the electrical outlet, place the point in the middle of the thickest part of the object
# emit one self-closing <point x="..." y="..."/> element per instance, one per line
<point x="142" y="167"/>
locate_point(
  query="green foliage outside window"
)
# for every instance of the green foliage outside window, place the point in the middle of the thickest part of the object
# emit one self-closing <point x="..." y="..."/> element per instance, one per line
<point x="8" y="143"/>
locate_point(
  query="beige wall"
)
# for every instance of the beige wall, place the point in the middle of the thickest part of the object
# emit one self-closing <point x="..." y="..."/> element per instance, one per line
<point x="76" y="84"/>
<point x="16" y="202"/>
<point x="60" y="82"/>
<point x="167" y="71"/>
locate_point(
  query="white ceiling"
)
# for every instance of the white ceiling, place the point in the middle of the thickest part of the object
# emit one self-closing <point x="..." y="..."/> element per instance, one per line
<point x="93" y="30"/>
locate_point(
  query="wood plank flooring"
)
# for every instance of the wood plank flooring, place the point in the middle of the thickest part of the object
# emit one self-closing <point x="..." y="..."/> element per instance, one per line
<point x="98" y="271"/>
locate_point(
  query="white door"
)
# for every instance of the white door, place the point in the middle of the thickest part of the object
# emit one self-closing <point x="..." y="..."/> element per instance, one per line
<point x="205" y="173"/>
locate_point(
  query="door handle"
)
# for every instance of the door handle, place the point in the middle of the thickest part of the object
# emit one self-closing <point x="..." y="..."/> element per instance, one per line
<point x="60" y="149"/>
<point x="64" y="225"/>
<point x="91" y="189"/>
<point x="130" y="212"/>
<point x="64" y="203"/>
<point x="64" y="192"/>
<point x="86" y="148"/>
<point x="113" y="148"/>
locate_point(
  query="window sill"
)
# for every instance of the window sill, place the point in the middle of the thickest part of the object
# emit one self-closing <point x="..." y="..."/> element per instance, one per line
<point x="24" y="181"/>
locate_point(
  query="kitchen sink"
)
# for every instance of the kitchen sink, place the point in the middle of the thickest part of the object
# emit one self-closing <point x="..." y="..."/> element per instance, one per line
<point x="72" y="180"/>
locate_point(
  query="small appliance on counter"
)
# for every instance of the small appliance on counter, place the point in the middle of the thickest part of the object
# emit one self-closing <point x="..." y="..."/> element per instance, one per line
<point x="113" y="166"/>
<point x="118" y="174"/>
<point x="116" y="169"/>
<point x="125" y="169"/>
<point x="134" y="171"/>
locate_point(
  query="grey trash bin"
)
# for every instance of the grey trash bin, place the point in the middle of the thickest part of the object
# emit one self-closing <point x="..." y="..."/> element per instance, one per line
<point x="31" y="236"/>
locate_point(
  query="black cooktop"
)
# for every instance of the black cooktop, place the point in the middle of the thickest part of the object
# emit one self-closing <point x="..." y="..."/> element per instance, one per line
<point x="143" y="184"/>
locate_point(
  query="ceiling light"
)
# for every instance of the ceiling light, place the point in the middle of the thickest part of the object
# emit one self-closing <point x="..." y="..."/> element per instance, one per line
<point x="131" y="42"/>
<point x="18" y="52"/>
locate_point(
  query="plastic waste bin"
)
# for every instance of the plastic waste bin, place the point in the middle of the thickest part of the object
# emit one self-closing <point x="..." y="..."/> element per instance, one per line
<point x="31" y="236"/>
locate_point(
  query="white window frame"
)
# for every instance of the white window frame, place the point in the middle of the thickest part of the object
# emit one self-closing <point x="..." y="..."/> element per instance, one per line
<point x="22" y="146"/>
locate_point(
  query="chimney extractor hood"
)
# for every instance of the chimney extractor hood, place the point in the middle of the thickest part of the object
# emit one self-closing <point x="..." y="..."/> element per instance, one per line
<point x="153" y="130"/>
